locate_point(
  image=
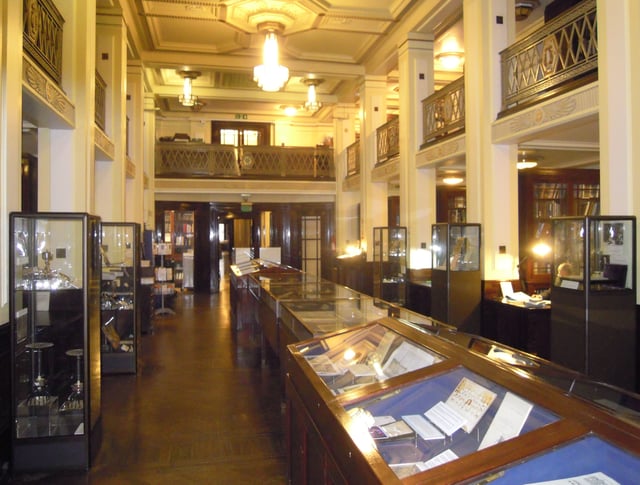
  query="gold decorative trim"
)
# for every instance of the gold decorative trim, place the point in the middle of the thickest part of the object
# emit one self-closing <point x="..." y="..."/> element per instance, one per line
<point x="387" y="171"/>
<point x="103" y="143"/>
<point x="38" y="83"/>
<point x="441" y="151"/>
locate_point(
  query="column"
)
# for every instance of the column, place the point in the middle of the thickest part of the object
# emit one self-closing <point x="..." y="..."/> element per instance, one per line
<point x="417" y="187"/>
<point x="347" y="228"/>
<point x="148" y="161"/>
<point x="373" y="209"/>
<point x="492" y="178"/>
<point x="72" y="151"/>
<point x="134" y="123"/>
<point x="111" y="63"/>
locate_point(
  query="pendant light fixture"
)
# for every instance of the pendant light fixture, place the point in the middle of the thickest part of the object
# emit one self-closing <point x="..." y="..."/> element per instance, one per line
<point x="270" y="75"/>
<point x="312" y="104"/>
<point x="187" y="98"/>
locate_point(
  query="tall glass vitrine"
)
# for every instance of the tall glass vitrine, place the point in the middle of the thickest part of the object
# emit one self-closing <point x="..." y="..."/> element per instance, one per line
<point x="54" y="276"/>
<point x="119" y="290"/>
<point x="390" y="264"/>
<point x="455" y="275"/>
<point x="593" y="295"/>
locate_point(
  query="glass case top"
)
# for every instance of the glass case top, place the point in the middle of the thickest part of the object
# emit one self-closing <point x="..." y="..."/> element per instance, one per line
<point x="440" y="419"/>
<point x="589" y="460"/>
<point x="322" y="317"/>
<point x="309" y="291"/>
<point x="48" y="253"/>
<point x="271" y="279"/>
<point x="363" y="356"/>
<point x="594" y="251"/>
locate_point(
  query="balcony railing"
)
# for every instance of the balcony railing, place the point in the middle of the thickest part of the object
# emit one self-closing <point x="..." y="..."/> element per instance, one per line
<point x="101" y="101"/>
<point x="186" y="160"/>
<point x="443" y="112"/>
<point x="42" y="36"/>
<point x="564" y="50"/>
<point x="387" y="140"/>
<point x="353" y="159"/>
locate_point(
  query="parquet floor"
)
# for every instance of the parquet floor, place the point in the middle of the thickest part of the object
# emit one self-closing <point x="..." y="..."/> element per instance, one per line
<point x="201" y="410"/>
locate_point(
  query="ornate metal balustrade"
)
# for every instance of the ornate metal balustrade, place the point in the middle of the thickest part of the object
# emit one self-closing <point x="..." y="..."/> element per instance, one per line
<point x="443" y="112"/>
<point x="565" y="49"/>
<point x="387" y="140"/>
<point x="101" y="101"/>
<point x="42" y="36"/>
<point x="353" y="159"/>
<point x="185" y="160"/>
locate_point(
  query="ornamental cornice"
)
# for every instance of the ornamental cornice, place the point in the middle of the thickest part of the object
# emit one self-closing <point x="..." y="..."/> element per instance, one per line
<point x="578" y="104"/>
<point x="388" y="170"/>
<point x="441" y="152"/>
<point x="46" y="91"/>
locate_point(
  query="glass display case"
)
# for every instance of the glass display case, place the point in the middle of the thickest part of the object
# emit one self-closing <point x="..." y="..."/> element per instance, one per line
<point x="455" y="276"/>
<point x="588" y="460"/>
<point x="444" y="418"/>
<point x="594" y="297"/>
<point x="55" y="325"/>
<point x="120" y="310"/>
<point x="467" y="416"/>
<point x="390" y="264"/>
<point x="369" y="354"/>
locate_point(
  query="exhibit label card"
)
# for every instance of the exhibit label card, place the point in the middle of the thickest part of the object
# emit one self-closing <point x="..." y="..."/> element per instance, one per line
<point x="447" y="419"/>
<point x="508" y="421"/>
<point x="471" y="401"/>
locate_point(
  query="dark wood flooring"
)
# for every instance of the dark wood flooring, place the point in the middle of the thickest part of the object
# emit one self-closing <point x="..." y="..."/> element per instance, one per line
<point x="201" y="410"/>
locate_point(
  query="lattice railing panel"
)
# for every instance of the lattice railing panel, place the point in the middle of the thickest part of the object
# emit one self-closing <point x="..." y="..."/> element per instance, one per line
<point x="387" y="140"/>
<point x="353" y="159"/>
<point x="564" y="49"/>
<point x="443" y="112"/>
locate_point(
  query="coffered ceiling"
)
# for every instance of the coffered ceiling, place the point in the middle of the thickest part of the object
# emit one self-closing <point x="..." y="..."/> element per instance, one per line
<point x="337" y="41"/>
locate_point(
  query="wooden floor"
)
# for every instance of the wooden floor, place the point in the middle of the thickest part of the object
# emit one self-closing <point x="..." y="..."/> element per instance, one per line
<point x="201" y="410"/>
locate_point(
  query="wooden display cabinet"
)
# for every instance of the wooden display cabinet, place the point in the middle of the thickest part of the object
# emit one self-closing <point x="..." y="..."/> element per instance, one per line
<point x="389" y="428"/>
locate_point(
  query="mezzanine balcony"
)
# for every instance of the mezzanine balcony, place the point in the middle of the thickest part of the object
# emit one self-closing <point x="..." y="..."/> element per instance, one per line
<point x="203" y="160"/>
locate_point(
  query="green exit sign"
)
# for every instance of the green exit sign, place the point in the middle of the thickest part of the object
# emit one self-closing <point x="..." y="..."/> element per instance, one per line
<point x="240" y="116"/>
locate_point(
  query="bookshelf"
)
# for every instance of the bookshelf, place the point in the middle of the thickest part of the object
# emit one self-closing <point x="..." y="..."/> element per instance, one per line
<point x="543" y="195"/>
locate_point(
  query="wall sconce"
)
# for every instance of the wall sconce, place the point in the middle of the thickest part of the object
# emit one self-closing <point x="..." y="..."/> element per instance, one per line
<point x="312" y="103"/>
<point x="524" y="9"/>
<point x="187" y="98"/>
<point x="270" y="75"/>
<point x="451" y="55"/>
<point x="527" y="160"/>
